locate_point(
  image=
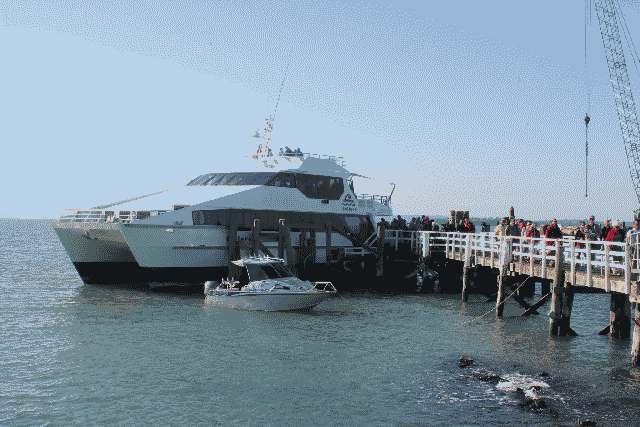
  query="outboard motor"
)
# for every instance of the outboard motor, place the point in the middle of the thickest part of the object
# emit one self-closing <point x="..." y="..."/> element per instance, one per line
<point x="210" y="284"/>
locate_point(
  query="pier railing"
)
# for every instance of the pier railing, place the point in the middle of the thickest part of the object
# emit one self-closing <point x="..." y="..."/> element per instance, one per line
<point x="611" y="266"/>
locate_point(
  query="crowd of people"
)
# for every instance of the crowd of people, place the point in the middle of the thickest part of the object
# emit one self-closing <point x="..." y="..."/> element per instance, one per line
<point x="612" y="231"/>
<point x="424" y="223"/>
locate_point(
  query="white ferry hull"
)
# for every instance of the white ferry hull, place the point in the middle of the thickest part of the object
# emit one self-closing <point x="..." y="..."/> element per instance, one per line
<point x="269" y="302"/>
<point x="93" y="242"/>
<point x="161" y="246"/>
<point x="196" y="246"/>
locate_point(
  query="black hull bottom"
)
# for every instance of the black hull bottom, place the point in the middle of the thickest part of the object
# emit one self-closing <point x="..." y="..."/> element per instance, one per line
<point x="345" y="276"/>
<point x="110" y="273"/>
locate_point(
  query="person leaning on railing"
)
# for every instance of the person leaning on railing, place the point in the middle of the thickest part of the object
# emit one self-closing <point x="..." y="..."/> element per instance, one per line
<point x="553" y="231"/>
<point x="594" y="226"/>
<point x="604" y="231"/>
<point x="616" y="233"/>
<point x="501" y="228"/>
<point x="580" y="234"/>
<point x="467" y="226"/>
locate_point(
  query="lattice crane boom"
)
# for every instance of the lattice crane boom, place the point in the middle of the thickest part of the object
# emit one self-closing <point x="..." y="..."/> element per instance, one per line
<point x="621" y="86"/>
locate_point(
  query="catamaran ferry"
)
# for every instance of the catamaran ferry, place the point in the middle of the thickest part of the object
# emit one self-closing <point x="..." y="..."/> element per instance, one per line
<point x="189" y="242"/>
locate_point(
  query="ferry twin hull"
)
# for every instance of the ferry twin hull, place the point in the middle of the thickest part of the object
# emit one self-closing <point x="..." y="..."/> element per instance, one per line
<point x="188" y="255"/>
<point x="94" y="243"/>
<point x="100" y="254"/>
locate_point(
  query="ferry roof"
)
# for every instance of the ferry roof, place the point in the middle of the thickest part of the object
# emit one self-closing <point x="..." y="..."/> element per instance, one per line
<point x="316" y="166"/>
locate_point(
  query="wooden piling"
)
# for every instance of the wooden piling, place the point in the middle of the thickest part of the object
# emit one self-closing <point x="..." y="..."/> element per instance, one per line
<point x="557" y="290"/>
<point x="502" y="284"/>
<point x="312" y="246"/>
<point x="564" y="327"/>
<point x="380" y="252"/>
<point x="281" y="238"/>
<point x="635" y="345"/>
<point x="467" y="278"/>
<point x="302" y="247"/>
<point x="467" y="273"/>
<point x="285" y="250"/>
<point x="255" y="237"/>
<point x="619" y="316"/>
<point x="232" y="246"/>
<point x="327" y="245"/>
<point x="503" y="275"/>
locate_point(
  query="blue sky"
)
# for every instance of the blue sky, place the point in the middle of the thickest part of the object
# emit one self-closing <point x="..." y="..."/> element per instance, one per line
<point x="463" y="104"/>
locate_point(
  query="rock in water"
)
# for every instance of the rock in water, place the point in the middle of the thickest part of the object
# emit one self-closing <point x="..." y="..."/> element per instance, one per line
<point x="531" y="399"/>
<point x="465" y="362"/>
<point x="487" y="376"/>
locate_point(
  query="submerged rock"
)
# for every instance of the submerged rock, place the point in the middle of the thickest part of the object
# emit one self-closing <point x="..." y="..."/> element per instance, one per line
<point x="532" y="399"/>
<point x="487" y="376"/>
<point x="465" y="362"/>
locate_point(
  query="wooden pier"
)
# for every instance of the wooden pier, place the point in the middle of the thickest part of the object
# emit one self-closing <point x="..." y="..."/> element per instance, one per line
<point x="566" y="264"/>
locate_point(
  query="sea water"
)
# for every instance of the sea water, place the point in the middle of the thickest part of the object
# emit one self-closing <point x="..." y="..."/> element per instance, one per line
<point x="84" y="354"/>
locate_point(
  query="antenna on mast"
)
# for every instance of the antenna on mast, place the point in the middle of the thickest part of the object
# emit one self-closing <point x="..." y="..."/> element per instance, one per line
<point x="264" y="152"/>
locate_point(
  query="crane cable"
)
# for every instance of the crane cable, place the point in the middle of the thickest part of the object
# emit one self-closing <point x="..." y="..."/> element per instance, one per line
<point x="587" y="119"/>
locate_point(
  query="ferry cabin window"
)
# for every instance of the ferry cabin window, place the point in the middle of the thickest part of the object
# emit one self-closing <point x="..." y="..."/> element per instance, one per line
<point x="312" y="186"/>
<point x="320" y="187"/>
<point x="282" y="180"/>
<point x="239" y="178"/>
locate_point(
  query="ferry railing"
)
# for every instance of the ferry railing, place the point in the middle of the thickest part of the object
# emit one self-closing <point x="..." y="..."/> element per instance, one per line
<point x="396" y="237"/>
<point x="602" y="260"/>
<point x="107" y="216"/>
<point x="382" y="199"/>
<point x="298" y="155"/>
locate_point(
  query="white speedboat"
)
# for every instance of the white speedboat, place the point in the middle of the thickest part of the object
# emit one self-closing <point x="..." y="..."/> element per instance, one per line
<point x="266" y="284"/>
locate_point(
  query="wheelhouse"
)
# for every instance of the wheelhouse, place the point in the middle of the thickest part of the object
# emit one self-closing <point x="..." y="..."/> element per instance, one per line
<point x="311" y="185"/>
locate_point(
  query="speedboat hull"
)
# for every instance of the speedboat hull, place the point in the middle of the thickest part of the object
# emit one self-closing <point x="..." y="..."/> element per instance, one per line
<point x="292" y="301"/>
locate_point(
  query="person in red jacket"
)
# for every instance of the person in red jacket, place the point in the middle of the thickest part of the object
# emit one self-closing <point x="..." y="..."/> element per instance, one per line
<point x="531" y="231"/>
<point x="467" y="226"/>
<point x="615" y="233"/>
<point x="553" y="231"/>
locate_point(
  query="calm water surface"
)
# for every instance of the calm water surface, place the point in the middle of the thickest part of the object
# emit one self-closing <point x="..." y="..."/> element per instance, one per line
<point x="84" y="354"/>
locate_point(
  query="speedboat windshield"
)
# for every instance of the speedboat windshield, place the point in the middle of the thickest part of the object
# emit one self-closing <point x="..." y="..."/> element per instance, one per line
<point x="267" y="271"/>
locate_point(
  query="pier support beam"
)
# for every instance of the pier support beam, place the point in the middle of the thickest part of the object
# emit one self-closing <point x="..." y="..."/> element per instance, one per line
<point x="502" y="285"/>
<point x="327" y="245"/>
<point x="467" y="273"/>
<point x="285" y="250"/>
<point x="233" y="246"/>
<point x="467" y="279"/>
<point x="312" y="246"/>
<point x="619" y="316"/>
<point x="635" y="345"/>
<point x="281" y="239"/>
<point x="302" y="247"/>
<point x="503" y="275"/>
<point x="564" y="328"/>
<point x="557" y="291"/>
<point x="380" y="252"/>
<point x="255" y="237"/>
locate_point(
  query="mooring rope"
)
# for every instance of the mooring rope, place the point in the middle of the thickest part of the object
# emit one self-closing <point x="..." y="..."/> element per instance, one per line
<point x="503" y="301"/>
